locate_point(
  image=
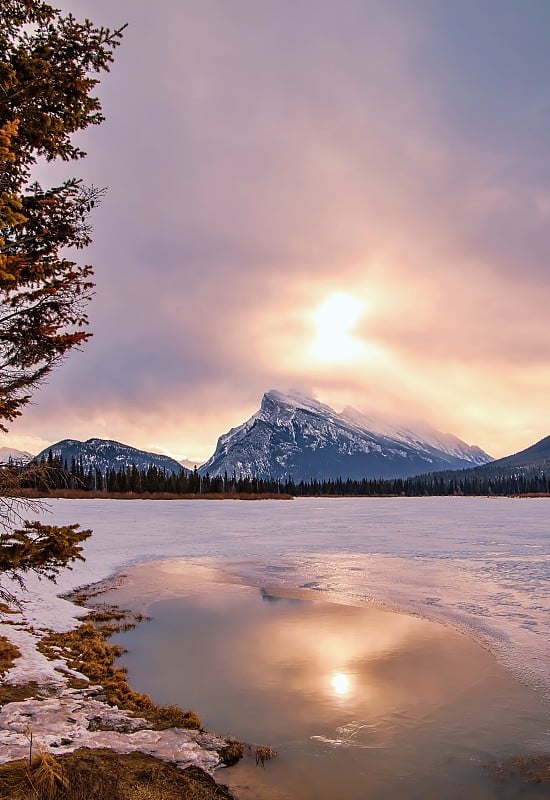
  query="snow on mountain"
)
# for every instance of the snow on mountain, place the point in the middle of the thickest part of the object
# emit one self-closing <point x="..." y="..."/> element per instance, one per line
<point x="295" y="435"/>
<point x="11" y="454"/>
<point x="421" y="436"/>
<point x="104" y="454"/>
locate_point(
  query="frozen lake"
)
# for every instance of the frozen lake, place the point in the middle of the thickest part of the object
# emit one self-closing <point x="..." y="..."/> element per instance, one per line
<point x="479" y="564"/>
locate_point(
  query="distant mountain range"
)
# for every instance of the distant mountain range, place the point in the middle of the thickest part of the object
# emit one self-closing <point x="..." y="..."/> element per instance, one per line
<point x="17" y="456"/>
<point x="105" y="454"/>
<point x="294" y="435"/>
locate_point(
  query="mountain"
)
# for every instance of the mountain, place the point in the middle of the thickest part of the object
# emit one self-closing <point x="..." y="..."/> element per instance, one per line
<point x="11" y="454"/>
<point x="104" y="454"/>
<point x="535" y="457"/>
<point x="294" y="435"/>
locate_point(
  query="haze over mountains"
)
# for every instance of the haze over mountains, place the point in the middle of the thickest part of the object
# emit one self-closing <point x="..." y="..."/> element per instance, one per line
<point x="292" y="435"/>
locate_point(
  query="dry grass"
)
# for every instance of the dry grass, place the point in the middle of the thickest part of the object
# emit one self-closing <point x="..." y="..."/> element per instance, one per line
<point x="45" y="777"/>
<point x="232" y="753"/>
<point x="6" y="609"/>
<point x="105" y="775"/>
<point x="87" y="650"/>
<point x="264" y="753"/>
<point x="17" y="692"/>
<point x="41" y="777"/>
<point x="8" y="654"/>
<point x="78" y="494"/>
<point x="524" y="769"/>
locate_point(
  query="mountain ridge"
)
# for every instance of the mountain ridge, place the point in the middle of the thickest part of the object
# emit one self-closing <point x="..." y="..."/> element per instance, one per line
<point x="105" y="454"/>
<point x="536" y="456"/>
<point x="295" y="435"/>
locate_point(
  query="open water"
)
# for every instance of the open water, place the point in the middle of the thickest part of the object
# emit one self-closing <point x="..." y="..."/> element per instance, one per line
<point x="359" y="702"/>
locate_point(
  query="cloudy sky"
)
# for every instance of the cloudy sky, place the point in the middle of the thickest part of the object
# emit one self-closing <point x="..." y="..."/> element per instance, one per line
<point x="346" y="197"/>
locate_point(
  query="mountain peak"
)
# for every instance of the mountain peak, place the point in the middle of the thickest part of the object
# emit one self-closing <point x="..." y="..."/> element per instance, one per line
<point x="292" y="399"/>
<point x="295" y="435"/>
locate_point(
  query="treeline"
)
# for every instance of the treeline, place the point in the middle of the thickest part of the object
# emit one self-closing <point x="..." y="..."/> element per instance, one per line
<point x="57" y="475"/>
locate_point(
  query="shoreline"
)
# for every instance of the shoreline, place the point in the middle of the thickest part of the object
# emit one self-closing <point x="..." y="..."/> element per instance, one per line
<point x="72" y="721"/>
<point x="78" y="494"/>
<point x="139" y="587"/>
<point x="122" y="541"/>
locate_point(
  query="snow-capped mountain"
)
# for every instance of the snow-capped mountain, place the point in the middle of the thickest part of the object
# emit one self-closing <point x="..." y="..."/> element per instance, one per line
<point x="17" y="456"/>
<point x="105" y="454"/>
<point x="294" y="435"/>
<point x="422" y="436"/>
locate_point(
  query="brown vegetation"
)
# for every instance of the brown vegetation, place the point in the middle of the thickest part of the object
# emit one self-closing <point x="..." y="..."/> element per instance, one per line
<point x="87" y="651"/>
<point x="232" y="753"/>
<point x="17" y="692"/>
<point x="264" y="753"/>
<point x="8" y="654"/>
<point x="80" y="494"/>
<point x="105" y="775"/>
<point x="527" y="769"/>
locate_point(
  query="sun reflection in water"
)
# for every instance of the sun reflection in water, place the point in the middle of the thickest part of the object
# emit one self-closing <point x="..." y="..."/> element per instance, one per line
<point x="340" y="683"/>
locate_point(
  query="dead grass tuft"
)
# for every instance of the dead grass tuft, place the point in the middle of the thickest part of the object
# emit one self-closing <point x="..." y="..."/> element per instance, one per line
<point x="40" y="779"/>
<point x="264" y="753"/>
<point x="8" y="653"/>
<point x="45" y="776"/>
<point x="107" y="614"/>
<point x="17" y="692"/>
<point x="6" y="609"/>
<point x="232" y="753"/>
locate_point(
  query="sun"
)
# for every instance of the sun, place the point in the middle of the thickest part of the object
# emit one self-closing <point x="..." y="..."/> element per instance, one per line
<point x="335" y="319"/>
<point x="341" y="684"/>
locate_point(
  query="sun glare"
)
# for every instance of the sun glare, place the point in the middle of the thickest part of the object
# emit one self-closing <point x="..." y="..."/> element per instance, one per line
<point x="340" y="684"/>
<point x="335" y="319"/>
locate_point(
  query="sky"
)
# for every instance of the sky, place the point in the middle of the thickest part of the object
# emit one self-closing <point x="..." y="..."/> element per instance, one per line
<point x="349" y="198"/>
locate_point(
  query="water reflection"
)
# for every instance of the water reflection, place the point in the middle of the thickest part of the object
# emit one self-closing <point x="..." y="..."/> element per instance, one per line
<point x="358" y="702"/>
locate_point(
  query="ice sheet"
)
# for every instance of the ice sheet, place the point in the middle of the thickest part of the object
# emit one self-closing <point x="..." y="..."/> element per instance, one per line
<point x="481" y="564"/>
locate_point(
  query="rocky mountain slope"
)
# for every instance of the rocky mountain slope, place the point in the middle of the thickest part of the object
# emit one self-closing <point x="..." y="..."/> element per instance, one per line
<point x="294" y="435"/>
<point x="105" y="454"/>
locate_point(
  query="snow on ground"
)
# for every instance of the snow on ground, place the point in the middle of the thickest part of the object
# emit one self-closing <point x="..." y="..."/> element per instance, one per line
<point x="480" y="564"/>
<point x="61" y="723"/>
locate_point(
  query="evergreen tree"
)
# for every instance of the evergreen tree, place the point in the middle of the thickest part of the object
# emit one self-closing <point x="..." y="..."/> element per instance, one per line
<point x="49" y="63"/>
